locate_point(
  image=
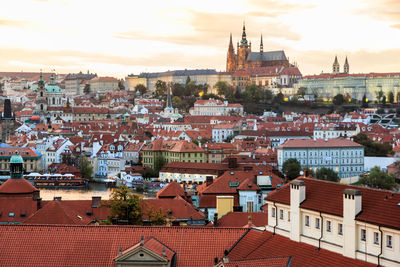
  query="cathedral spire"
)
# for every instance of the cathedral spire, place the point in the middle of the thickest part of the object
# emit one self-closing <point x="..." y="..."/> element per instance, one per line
<point x="261" y="45"/>
<point x="346" y="66"/>
<point x="243" y="42"/>
<point x="169" y="100"/>
<point x="336" y="66"/>
<point x="41" y="82"/>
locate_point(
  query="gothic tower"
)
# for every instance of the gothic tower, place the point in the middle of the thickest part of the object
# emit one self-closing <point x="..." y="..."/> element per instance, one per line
<point x="336" y="66"/>
<point x="8" y="125"/>
<point x="346" y="66"/>
<point x="231" y="58"/>
<point x="261" y="45"/>
<point x="243" y="50"/>
<point x="41" y="98"/>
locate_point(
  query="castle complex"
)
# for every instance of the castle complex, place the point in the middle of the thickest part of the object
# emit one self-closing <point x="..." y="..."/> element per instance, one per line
<point x="245" y="58"/>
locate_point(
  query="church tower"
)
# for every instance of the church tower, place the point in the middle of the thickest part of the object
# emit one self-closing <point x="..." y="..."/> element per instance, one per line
<point x="243" y="50"/>
<point x="336" y="66"/>
<point x="7" y="121"/>
<point x="41" y="98"/>
<point x="346" y="66"/>
<point x="261" y="45"/>
<point x="231" y="58"/>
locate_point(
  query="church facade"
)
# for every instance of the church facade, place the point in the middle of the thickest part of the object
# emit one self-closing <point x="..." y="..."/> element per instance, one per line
<point x="244" y="58"/>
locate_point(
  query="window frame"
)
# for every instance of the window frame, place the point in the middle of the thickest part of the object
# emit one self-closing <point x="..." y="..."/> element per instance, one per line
<point x="307" y="220"/>
<point x="329" y="226"/>
<point x="376" y="238"/>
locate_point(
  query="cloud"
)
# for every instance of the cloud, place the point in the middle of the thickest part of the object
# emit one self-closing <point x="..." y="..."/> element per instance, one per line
<point x="273" y="9"/>
<point x="212" y="30"/>
<point x="12" y="23"/>
<point x="313" y="62"/>
<point x="397" y="26"/>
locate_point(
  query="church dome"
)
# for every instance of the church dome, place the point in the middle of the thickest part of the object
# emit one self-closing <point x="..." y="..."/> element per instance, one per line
<point x="16" y="158"/>
<point x="53" y="89"/>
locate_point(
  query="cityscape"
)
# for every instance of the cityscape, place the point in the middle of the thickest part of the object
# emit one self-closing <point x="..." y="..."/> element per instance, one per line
<point x="256" y="133"/>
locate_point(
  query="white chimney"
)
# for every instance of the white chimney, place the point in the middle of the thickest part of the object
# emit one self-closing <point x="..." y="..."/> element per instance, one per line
<point x="352" y="205"/>
<point x="297" y="196"/>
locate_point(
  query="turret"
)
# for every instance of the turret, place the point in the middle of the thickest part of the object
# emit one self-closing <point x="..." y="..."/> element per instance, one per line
<point x="231" y="57"/>
<point x="16" y="166"/>
<point x="243" y="42"/>
<point x="336" y="66"/>
<point x="346" y="66"/>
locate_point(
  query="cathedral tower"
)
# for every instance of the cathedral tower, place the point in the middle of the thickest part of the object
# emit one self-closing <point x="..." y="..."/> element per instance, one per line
<point x="231" y="58"/>
<point x="41" y="98"/>
<point x="261" y="45"/>
<point x="243" y="51"/>
<point x="336" y="66"/>
<point x="346" y="66"/>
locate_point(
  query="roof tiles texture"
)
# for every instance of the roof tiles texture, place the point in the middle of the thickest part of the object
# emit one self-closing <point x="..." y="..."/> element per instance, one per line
<point x="99" y="245"/>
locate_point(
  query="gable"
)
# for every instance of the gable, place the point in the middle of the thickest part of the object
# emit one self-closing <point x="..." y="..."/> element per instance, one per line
<point x="140" y="256"/>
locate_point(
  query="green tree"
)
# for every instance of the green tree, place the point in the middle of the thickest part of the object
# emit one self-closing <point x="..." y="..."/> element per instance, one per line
<point x="384" y="100"/>
<point x="379" y="95"/>
<point x="85" y="167"/>
<point x="121" y="85"/>
<point x="279" y="98"/>
<point x="371" y="148"/>
<point x="125" y="206"/>
<point x="86" y="89"/>
<point x="291" y="168"/>
<point x="327" y="174"/>
<point x="338" y="100"/>
<point x="141" y="88"/>
<point x="177" y="102"/>
<point x="364" y="102"/>
<point x="159" y="162"/>
<point x="156" y="216"/>
<point x="161" y="88"/>
<point x="302" y="92"/>
<point x="225" y="90"/>
<point x="391" y="97"/>
<point x="178" y="89"/>
<point x="379" y="179"/>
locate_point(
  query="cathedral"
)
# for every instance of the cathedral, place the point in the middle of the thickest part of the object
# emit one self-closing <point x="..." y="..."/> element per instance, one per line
<point x="245" y="58"/>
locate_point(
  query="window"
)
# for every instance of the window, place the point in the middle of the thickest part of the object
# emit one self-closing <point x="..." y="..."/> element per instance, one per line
<point x="328" y="226"/>
<point x="389" y="241"/>
<point x="273" y="212"/>
<point x="317" y="223"/>
<point x="376" y="238"/>
<point x="281" y="214"/>
<point x="250" y="206"/>
<point x="340" y="229"/>
<point x="288" y="216"/>
<point x="307" y="220"/>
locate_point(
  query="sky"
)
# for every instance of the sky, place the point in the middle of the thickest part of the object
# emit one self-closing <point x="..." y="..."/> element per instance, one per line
<point x="120" y="37"/>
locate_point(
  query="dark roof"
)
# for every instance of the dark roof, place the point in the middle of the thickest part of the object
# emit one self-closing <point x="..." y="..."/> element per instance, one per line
<point x="267" y="56"/>
<point x="178" y="73"/>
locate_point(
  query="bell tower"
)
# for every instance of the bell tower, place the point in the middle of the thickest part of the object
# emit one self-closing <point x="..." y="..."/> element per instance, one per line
<point x="346" y="66"/>
<point x="231" y="58"/>
<point x="41" y="98"/>
<point x="336" y="66"/>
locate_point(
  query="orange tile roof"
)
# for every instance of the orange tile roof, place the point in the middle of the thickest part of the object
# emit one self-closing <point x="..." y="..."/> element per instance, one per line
<point x="48" y="245"/>
<point x="378" y="206"/>
<point x="257" y="244"/>
<point x="17" y="186"/>
<point x="334" y="142"/>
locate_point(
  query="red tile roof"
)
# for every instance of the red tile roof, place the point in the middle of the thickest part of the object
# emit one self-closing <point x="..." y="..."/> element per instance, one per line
<point x="270" y="262"/>
<point x="241" y="219"/>
<point x="99" y="245"/>
<point x="56" y="213"/>
<point x="172" y="190"/>
<point x="154" y="245"/>
<point x="17" y="186"/>
<point x="176" y="208"/>
<point x="262" y="244"/>
<point x="378" y="206"/>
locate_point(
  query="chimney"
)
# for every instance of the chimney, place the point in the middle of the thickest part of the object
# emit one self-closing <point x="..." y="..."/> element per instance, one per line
<point x="297" y="196"/>
<point x="209" y="180"/>
<point x="57" y="198"/>
<point x="232" y="163"/>
<point x="352" y="206"/>
<point x="39" y="203"/>
<point x="224" y="205"/>
<point x="215" y="219"/>
<point x="96" y="201"/>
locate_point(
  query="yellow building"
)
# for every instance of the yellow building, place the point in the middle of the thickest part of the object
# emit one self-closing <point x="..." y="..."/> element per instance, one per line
<point x="172" y="151"/>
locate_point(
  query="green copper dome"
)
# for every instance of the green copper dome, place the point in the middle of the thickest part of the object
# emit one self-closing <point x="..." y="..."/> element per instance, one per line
<point x="16" y="158"/>
<point x="53" y="89"/>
